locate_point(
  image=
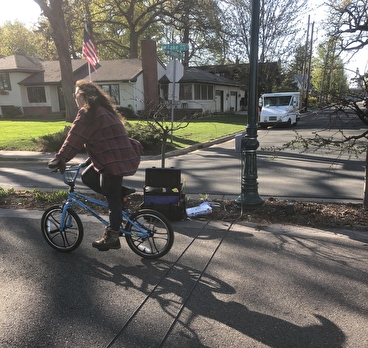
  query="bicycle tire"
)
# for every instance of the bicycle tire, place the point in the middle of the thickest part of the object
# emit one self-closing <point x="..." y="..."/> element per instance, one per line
<point x="161" y="234"/>
<point x="67" y="240"/>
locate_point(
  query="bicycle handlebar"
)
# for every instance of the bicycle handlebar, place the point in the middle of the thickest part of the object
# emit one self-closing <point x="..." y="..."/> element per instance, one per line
<point x="71" y="173"/>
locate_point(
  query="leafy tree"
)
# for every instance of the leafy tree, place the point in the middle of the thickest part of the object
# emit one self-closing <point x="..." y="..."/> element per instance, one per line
<point x="16" y="37"/>
<point x="200" y="24"/>
<point x="329" y="78"/>
<point x="118" y="26"/>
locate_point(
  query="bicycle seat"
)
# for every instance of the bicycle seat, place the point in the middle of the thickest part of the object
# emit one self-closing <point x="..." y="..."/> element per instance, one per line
<point x="125" y="191"/>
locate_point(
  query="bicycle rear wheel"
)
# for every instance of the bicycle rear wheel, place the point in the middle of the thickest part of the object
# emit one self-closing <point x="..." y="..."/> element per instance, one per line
<point x="160" y="234"/>
<point x="72" y="234"/>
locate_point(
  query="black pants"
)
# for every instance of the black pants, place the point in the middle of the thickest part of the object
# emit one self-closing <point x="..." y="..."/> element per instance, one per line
<point x="110" y="187"/>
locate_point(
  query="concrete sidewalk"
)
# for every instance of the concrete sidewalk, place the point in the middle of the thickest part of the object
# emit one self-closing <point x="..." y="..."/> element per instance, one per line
<point x="33" y="156"/>
<point x="223" y="284"/>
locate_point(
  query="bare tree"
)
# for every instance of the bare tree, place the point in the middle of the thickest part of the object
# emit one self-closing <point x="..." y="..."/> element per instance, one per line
<point x="279" y="28"/>
<point x="348" y="21"/>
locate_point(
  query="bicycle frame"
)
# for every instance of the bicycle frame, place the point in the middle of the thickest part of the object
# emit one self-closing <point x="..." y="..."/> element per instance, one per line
<point x="75" y="198"/>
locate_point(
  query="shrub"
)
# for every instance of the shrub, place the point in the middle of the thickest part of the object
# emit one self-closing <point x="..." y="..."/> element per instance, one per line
<point x="127" y="113"/>
<point x="52" y="142"/>
<point x="312" y="102"/>
<point x="150" y="138"/>
<point x="12" y="112"/>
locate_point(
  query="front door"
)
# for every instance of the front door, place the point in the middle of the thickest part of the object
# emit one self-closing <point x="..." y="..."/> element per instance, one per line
<point x="61" y="99"/>
<point x="219" y="101"/>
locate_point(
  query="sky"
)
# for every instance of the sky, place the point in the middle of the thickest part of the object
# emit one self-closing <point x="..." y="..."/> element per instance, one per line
<point x="27" y="12"/>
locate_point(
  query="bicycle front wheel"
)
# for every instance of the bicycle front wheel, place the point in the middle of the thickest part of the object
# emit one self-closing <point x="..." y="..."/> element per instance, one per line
<point x="67" y="239"/>
<point x="160" y="235"/>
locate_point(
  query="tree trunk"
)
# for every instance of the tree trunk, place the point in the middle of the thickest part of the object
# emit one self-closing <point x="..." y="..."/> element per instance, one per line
<point x="133" y="39"/>
<point x="54" y="13"/>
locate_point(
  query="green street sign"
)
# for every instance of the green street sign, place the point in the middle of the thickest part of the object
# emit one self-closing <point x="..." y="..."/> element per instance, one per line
<point x="174" y="54"/>
<point x="175" y="47"/>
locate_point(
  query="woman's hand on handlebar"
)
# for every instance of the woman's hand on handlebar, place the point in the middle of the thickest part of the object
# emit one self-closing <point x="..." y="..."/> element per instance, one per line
<point x="57" y="164"/>
<point x="86" y="163"/>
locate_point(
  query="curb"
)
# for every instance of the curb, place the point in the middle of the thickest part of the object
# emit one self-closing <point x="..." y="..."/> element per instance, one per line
<point x="190" y="148"/>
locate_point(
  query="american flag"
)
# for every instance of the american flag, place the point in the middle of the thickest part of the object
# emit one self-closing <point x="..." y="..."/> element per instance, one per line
<point x="89" y="49"/>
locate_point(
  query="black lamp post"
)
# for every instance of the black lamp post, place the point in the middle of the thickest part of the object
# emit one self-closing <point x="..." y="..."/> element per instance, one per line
<point x="249" y="197"/>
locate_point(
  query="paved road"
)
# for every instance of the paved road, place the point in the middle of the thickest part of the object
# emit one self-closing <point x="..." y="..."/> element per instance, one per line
<point x="217" y="170"/>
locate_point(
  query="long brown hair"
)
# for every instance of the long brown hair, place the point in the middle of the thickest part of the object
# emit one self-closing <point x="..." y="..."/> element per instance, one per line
<point x="94" y="97"/>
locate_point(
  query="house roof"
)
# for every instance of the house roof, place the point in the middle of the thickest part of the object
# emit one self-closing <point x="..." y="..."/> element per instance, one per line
<point x="48" y="72"/>
<point x="197" y="75"/>
<point x="113" y="70"/>
<point x="20" y="63"/>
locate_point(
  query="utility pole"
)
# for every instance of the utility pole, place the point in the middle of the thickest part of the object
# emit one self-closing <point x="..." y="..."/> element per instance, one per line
<point x="307" y="66"/>
<point x="304" y="72"/>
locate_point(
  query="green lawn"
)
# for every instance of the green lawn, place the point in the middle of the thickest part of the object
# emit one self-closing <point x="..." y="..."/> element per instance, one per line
<point x="20" y="134"/>
<point x="207" y="129"/>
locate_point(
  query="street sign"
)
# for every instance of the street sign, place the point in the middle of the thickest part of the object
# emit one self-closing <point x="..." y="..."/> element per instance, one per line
<point x="174" y="71"/>
<point x="174" y="54"/>
<point x="175" y="47"/>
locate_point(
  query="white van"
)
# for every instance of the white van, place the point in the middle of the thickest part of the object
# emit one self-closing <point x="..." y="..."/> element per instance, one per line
<point x="279" y="108"/>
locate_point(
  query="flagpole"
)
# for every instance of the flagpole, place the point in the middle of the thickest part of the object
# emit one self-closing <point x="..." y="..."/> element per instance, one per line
<point x="89" y="51"/>
<point x="89" y="72"/>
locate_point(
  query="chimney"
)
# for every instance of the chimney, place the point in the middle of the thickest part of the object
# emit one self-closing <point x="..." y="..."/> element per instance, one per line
<point x="150" y="80"/>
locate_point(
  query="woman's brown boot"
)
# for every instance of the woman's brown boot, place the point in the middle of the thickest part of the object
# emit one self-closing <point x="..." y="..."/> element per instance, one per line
<point x="109" y="240"/>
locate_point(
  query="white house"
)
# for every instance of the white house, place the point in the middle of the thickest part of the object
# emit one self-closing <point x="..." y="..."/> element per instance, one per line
<point x="32" y="86"/>
<point x="203" y="90"/>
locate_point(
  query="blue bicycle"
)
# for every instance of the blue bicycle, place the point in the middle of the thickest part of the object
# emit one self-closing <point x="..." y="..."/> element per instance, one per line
<point x="147" y="232"/>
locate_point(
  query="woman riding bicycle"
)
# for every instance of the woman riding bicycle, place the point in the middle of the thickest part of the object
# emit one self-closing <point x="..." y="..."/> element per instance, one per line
<point x="98" y="127"/>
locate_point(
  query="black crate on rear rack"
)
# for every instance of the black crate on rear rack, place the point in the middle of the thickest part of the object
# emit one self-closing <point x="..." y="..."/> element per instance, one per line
<point x="163" y="192"/>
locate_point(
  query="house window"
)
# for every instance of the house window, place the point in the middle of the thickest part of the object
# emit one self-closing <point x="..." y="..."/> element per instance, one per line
<point x="185" y="91"/>
<point x="203" y="92"/>
<point x="36" y="94"/>
<point x="4" y="82"/>
<point x="210" y="92"/>
<point x="165" y="91"/>
<point x="113" y="91"/>
<point x="197" y="92"/>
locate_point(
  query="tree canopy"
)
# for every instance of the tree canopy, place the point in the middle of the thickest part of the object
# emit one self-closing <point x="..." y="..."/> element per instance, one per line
<point x="16" y="37"/>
